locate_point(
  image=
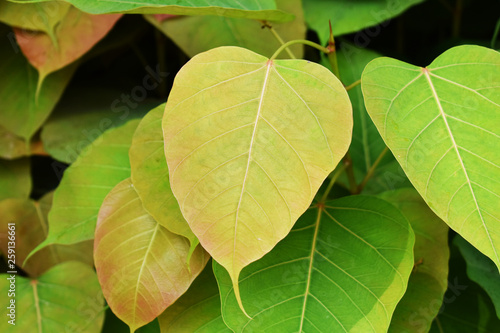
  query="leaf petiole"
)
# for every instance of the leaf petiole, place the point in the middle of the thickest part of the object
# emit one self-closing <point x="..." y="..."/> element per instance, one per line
<point x="267" y="25"/>
<point x="371" y="171"/>
<point x="299" y="41"/>
<point x="334" y="178"/>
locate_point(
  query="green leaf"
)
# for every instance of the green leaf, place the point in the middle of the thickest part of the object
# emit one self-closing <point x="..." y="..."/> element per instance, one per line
<point x="67" y="298"/>
<point x="481" y="270"/>
<point x="15" y="178"/>
<point x="428" y="281"/>
<point x="255" y="9"/>
<point x="150" y="176"/>
<point x="85" y="184"/>
<point x="239" y="130"/>
<point x="350" y="16"/>
<point x="81" y="116"/>
<point x="43" y="16"/>
<point x="226" y="31"/>
<point x="343" y="267"/>
<point x="11" y="145"/>
<point x="21" y="113"/>
<point x="198" y="310"/>
<point x="441" y="123"/>
<point x="30" y="218"/>
<point x="142" y="267"/>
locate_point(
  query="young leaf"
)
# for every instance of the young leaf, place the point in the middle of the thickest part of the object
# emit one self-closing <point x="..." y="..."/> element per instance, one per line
<point x="351" y="16"/>
<point x="248" y="142"/>
<point x="15" y="178"/>
<point x="195" y="34"/>
<point x="343" y="268"/>
<point x="150" y="176"/>
<point x="30" y="218"/>
<point x="255" y="9"/>
<point x="481" y="270"/>
<point x="85" y="184"/>
<point x="441" y="123"/>
<point x="67" y="298"/>
<point x="198" y="310"/>
<point x="141" y="265"/>
<point x="429" y="279"/>
<point x="75" y="34"/>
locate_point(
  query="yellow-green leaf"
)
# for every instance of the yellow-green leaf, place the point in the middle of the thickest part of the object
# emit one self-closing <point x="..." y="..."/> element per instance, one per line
<point x="15" y="178"/>
<point x="442" y="124"/>
<point x="248" y="142"/>
<point x="141" y="265"/>
<point x="149" y="173"/>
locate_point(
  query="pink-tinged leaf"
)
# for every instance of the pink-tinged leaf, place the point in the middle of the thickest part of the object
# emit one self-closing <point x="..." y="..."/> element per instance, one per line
<point x="77" y="33"/>
<point x="141" y="266"/>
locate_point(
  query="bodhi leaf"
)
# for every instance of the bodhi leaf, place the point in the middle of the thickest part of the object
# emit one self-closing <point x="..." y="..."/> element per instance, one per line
<point x="149" y="173"/>
<point x="481" y="270"/>
<point x="21" y="113"/>
<point x="255" y="9"/>
<point x="15" y="178"/>
<point x="34" y="16"/>
<point x="429" y="279"/>
<point x="343" y="268"/>
<point x="350" y="16"/>
<point x="198" y="310"/>
<point x="30" y="218"/>
<point x="67" y="298"/>
<point x="85" y="184"/>
<point x="75" y="35"/>
<point x="141" y="265"/>
<point x="195" y="34"/>
<point x="441" y="123"/>
<point x="248" y="142"/>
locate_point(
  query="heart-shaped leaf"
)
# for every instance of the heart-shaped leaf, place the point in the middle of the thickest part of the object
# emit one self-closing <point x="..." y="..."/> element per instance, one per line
<point x="67" y="298"/>
<point x="343" y="268"/>
<point x="195" y="34"/>
<point x="255" y="9"/>
<point x="15" y="178"/>
<point x="142" y="267"/>
<point x="248" y="142"/>
<point x="85" y="184"/>
<point x="441" y="123"/>
<point x="429" y="279"/>
<point x="198" y="310"/>
<point x="150" y="176"/>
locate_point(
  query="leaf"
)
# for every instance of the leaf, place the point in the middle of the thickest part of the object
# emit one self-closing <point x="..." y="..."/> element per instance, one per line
<point x="67" y="298"/>
<point x="351" y="16"/>
<point x="15" y="178"/>
<point x="150" y="176"/>
<point x="75" y="34"/>
<point x="429" y="279"/>
<point x="85" y="184"/>
<point x="442" y="128"/>
<point x="44" y="16"/>
<point x="255" y="9"/>
<point x="21" y="113"/>
<point x="196" y="34"/>
<point x="198" y="310"/>
<point x="343" y="268"/>
<point x="239" y="129"/>
<point x="11" y="145"/>
<point x="141" y="265"/>
<point x="481" y="270"/>
<point x="466" y="307"/>
<point x="30" y="218"/>
<point x="82" y="116"/>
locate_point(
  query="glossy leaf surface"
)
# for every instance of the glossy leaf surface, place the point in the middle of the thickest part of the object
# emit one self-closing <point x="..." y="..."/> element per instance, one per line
<point x="67" y="298"/>
<point x="150" y="175"/>
<point x="86" y="183"/>
<point x="198" y="310"/>
<point x="195" y="34"/>
<point x="441" y="123"/>
<point x="141" y="265"/>
<point x="429" y="278"/>
<point x="239" y="131"/>
<point x="343" y="268"/>
<point x="30" y="218"/>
